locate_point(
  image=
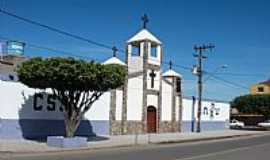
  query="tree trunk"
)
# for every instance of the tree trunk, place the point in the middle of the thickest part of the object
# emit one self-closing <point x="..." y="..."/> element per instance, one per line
<point x="71" y="124"/>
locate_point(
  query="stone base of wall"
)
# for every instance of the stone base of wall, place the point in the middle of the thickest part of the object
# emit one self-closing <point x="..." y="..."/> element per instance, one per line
<point x="115" y="128"/>
<point x="135" y="127"/>
<point x="131" y="127"/>
<point x="168" y="126"/>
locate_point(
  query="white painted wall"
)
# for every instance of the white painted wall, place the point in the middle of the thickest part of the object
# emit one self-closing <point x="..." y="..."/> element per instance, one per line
<point x="134" y="98"/>
<point x="222" y="108"/>
<point x="152" y="100"/>
<point x="119" y="101"/>
<point x="135" y="64"/>
<point x="166" y="109"/>
<point x="187" y="109"/>
<point x="14" y="95"/>
<point x="16" y="101"/>
<point x="177" y="107"/>
<point x="100" y="109"/>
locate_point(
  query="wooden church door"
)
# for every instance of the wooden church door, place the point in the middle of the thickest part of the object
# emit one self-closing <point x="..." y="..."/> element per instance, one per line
<point x="151" y="119"/>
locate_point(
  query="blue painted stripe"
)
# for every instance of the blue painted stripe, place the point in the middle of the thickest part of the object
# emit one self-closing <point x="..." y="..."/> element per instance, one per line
<point x="40" y="129"/>
<point x="205" y="126"/>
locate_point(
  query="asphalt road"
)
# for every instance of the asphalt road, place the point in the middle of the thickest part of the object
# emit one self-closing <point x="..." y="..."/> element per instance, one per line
<point x="251" y="148"/>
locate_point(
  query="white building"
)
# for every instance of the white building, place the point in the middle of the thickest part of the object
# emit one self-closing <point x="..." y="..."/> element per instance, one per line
<point x="151" y="101"/>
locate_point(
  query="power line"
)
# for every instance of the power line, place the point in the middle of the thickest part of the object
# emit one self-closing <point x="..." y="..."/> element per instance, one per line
<point x="73" y="35"/>
<point x="229" y="82"/>
<point x="91" y="58"/>
<point x="36" y="46"/>
<point x="50" y="49"/>
<point x="243" y="75"/>
<point x="55" y="29"/>
<point x="57" y="51"/>
<point x="95" y="42"/>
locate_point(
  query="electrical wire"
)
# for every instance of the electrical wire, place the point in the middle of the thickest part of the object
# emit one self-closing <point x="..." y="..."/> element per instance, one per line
<point x="78" y="37"/>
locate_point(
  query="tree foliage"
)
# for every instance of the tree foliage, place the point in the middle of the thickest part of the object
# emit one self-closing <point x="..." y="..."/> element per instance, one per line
<point x="252" y="104"/>
<point x="77" y="84"/>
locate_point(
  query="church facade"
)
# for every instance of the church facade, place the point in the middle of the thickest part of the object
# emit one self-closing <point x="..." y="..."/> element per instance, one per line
<point x="151" y="101"/>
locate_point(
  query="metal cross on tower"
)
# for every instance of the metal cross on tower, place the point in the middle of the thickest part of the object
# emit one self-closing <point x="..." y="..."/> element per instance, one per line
<point x="114" y="49"/>
<point x="152" y="75"/>
<point x="145" y="20"/>
<point x="170" y="64"/>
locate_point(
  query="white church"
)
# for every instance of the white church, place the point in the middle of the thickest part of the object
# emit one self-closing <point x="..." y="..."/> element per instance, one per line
<point x="151" y="101"/>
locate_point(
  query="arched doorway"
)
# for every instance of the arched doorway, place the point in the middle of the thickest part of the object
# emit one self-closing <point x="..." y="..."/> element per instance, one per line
<point x="151" y="119"/>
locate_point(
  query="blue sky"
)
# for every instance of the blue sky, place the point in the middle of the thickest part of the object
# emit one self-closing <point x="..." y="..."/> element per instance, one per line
<point x="238" y="28"/>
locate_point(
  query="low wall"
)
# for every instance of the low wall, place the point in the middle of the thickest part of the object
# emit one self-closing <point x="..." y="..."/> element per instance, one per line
<point x="206" y="126"/>
<point x="36" y="114"/>
<point x="40" y="129"/>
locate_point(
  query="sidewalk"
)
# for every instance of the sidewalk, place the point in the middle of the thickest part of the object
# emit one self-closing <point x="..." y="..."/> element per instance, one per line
<point x="27" y="146"/>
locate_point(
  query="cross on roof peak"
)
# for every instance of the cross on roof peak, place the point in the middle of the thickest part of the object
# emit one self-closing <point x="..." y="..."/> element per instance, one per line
<point x="145" y="20"/>
<point x="114" y="49"/>
<point x="170" y="64"/>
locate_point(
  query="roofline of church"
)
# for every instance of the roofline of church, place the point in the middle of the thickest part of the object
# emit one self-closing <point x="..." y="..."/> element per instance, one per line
<point x="157" y="41"/>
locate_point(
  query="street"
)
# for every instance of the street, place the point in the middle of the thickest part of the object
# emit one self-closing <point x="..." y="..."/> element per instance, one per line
<point x="234" y="149"/>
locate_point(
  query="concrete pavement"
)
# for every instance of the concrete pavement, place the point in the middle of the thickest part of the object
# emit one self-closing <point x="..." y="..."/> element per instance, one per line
<point x="243" y="148"/>
<point x="252" y="152"/>
<point x="26" y="146"/>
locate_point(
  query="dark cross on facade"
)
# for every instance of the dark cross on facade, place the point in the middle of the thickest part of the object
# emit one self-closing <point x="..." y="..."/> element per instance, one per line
<point x="114" y="49"/>
<point x="170" y="64"/>
<point x="152" y="75"/>
<point x="145" y="20"/>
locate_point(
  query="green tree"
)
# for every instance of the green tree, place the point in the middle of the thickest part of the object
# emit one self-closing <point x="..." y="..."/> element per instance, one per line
<point x="77" y="84"/>
<point x="252" y="104"/>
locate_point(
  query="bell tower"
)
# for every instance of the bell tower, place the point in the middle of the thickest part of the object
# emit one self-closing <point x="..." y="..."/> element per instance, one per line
<point x="143" y="58"/>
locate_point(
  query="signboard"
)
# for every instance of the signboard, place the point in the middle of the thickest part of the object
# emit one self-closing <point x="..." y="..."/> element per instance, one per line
<point x="15" y="48"/>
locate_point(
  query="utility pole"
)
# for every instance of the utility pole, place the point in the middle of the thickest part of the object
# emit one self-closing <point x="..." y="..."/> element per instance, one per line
<point x="192" y="113"/>
<point x="199" y="73"/>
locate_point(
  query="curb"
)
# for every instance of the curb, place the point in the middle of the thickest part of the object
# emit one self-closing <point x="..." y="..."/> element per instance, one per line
<point x="203" y="139"/>
<point x="6" y="153"/>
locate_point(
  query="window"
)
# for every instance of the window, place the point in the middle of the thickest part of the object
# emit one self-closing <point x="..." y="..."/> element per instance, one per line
<point x="212" y="110"/>
<point x="135" y="51"/>
<point x="211" y="113"/>
<point x="154" y="51"/>
<point x="178" y="85"/>
<point x="260" y="89"/>
<point x="217" y="111"/>
<point x="205" y="111"/>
